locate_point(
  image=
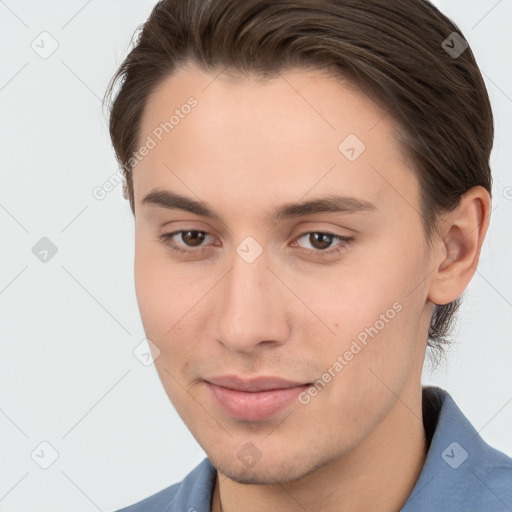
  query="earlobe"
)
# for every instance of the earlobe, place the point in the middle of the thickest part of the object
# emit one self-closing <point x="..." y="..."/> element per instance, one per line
<point x="460" y="241"/>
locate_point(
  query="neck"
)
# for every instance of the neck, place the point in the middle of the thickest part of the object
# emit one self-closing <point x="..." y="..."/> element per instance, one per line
<point x="379" y="474"/>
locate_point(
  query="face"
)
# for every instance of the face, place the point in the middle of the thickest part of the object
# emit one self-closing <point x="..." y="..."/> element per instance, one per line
<point x="328" y="295"/>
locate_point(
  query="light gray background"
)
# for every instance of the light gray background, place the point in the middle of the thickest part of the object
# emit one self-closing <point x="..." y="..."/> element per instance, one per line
<point x="69" y="326"/>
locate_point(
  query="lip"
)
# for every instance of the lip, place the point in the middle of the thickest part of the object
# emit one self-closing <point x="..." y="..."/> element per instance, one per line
<point x="253" y="385"/>
<point x="255" y="399"/>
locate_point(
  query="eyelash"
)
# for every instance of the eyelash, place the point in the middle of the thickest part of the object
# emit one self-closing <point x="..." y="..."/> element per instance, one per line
<point x="165" y="239"/>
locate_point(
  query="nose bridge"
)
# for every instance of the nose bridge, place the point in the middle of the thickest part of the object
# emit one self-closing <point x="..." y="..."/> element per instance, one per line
<point x="249" y="312"/>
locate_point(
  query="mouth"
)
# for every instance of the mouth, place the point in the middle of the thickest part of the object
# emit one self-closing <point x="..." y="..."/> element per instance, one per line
<point x="256" y="399"/>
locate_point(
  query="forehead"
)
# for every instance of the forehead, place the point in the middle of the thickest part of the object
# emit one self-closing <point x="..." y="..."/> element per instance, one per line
<point x="302" y="132"/>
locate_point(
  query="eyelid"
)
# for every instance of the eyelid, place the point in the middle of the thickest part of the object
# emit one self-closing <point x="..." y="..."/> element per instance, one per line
<point x="344" y="241"/>
<point x="165" y="238"/>
<point x="317" y="231"/>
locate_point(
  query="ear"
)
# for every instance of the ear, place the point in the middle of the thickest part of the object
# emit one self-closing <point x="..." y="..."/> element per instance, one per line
<point x="457" y="250"/>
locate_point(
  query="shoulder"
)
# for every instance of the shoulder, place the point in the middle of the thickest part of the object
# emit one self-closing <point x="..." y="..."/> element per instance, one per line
<point x="155" y="502"/>
<point x="490" y="474"/>
<point x="461" y="471"/>
<point x="193" y="493"/>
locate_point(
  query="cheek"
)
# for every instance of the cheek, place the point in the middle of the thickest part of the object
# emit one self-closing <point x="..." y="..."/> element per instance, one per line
<point x="155" y="286"/>
<point x="351" y="300"/>
<point x="370" y="357"/>
<point x="170" y="297"/>
<point x="161" y="304"/>
<point x="374" y="308"/>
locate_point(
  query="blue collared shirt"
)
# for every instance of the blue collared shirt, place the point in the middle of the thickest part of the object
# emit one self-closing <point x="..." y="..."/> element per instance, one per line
<point x="461" y="471"/>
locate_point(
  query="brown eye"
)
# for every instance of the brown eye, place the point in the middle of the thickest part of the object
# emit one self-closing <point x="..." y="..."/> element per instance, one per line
<point x="322" y="243"/>
<point x="188" y="241"/>
<point x="320" y="240"/>
<point x="192" y="238"/>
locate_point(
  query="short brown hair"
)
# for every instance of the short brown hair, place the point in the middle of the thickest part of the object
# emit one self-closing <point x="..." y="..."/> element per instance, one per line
<point x="395" y="51"/>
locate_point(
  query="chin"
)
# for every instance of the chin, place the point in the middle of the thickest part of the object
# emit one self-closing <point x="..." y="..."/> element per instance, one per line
<point x="277" y="471"/>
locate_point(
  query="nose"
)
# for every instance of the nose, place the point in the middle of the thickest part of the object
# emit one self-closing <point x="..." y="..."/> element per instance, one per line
<point x="252" y="309"/>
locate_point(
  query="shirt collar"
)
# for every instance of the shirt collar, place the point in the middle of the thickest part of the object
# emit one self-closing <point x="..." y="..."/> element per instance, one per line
<point x="461" y="471"/>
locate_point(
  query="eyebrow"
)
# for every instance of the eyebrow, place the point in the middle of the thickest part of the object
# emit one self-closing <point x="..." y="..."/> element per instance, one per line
<point x="330" y="203"/>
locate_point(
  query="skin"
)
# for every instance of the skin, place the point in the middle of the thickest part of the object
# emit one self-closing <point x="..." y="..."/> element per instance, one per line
<point x="246" y="148"/>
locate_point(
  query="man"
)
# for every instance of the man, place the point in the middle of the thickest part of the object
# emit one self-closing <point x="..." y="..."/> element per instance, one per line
<point x="311" y="188"/>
